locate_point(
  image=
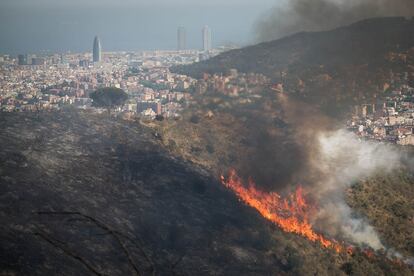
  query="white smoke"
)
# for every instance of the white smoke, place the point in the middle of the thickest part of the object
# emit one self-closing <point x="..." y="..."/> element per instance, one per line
<point x="343" y="159"/>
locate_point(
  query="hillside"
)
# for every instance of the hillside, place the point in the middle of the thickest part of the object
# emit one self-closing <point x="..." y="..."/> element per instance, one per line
<point x="269" y="146"/>
<point x="82" y="194"/>
<point x="332" y="68"/>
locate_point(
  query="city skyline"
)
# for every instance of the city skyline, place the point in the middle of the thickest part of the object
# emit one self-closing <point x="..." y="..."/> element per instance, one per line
<point x="51" y="26"/>
<point x="23" y="58"/>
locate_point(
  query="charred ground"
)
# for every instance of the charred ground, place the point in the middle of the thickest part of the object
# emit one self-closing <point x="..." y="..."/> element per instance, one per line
<point x="82" y="194"/>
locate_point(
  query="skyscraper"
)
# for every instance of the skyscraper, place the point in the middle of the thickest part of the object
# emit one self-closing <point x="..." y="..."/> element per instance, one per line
<point x="63" y="59"/>
<point x="96" y="50"/>
<point x="181" y="39"/>
<point x="22" y="59"/>
<point x="206" y="38"/>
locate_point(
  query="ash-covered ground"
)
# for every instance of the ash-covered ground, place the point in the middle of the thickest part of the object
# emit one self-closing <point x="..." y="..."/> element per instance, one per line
<point x="85" y="194"/>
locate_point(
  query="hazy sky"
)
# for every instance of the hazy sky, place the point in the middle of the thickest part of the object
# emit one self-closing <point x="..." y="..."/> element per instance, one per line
<point x="60" y="25"/>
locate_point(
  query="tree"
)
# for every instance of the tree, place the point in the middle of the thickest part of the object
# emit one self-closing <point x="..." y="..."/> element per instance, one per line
<point x="195" y="119"/>
<point x="108" y="97"/>
<point x="159" y="118"/>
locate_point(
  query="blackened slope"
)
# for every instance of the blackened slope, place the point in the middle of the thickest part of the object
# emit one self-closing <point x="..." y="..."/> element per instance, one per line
<point x="82" y="194"/>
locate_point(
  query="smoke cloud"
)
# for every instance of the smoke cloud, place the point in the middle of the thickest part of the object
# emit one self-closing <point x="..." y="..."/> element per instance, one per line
<point x="336" y="159"/>
<point x="326" y="161"/>
<point x="317" y="15"/>
<point x="342" y="160"/>
<point x="305" y="147"/>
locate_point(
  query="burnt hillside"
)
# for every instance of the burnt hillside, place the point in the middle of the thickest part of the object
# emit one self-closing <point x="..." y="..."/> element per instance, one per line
<point x="82" y="194"/>
<point x="85" y="195"/>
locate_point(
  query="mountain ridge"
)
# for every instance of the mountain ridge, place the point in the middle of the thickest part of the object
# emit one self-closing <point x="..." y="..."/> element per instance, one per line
<point x="391" y="24"/>
<point x="333" y="69"/>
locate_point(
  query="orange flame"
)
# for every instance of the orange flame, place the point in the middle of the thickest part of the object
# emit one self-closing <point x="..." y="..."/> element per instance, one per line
<point x="291" y="214"/>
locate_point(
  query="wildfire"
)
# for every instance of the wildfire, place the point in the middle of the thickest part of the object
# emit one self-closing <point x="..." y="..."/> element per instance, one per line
<point x="290" y="214"/>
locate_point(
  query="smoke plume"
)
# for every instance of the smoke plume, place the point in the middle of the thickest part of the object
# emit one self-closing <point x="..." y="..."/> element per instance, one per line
<point x="336" y="160"/>
<point x="343" y="160"/>
<point x="317" y="15"/>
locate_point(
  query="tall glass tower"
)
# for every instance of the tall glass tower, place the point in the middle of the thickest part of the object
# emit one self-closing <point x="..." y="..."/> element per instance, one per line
<point x="206" y="38"/>
<point x="181" y="39"/>
<point x="97" y="50"/>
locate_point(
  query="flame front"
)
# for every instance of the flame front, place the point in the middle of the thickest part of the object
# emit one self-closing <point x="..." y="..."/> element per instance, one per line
<point x="291" y="214"/>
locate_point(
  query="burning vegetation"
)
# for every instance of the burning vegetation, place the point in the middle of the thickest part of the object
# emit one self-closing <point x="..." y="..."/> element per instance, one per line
<point x="291" y="214"/>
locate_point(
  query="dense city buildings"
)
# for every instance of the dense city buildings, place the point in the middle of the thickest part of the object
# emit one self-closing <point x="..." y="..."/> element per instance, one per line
<point x="206" y="33"/>
<point x="38" y="61"/>
<point x="389" y="118"/>
<point x="22" y="59"/>
<point x="181" y="39"/>
<point x="233" y="84"/>
<point x="46" y="82"/>
<point x="154" y="106"/>
<point x="97" y="55"/>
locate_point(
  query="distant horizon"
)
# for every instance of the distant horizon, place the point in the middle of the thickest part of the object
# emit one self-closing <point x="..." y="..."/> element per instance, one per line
<point x="116" y="49"/>
<point x="215" y="45"/>
<point x="40" y="26"/>
<point x="50" y="26"/>
<point x="104" y="51"/>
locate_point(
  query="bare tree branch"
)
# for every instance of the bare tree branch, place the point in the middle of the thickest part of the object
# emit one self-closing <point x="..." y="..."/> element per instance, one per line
<point x="61" y="245"/>
<point x="113" y="233"/>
